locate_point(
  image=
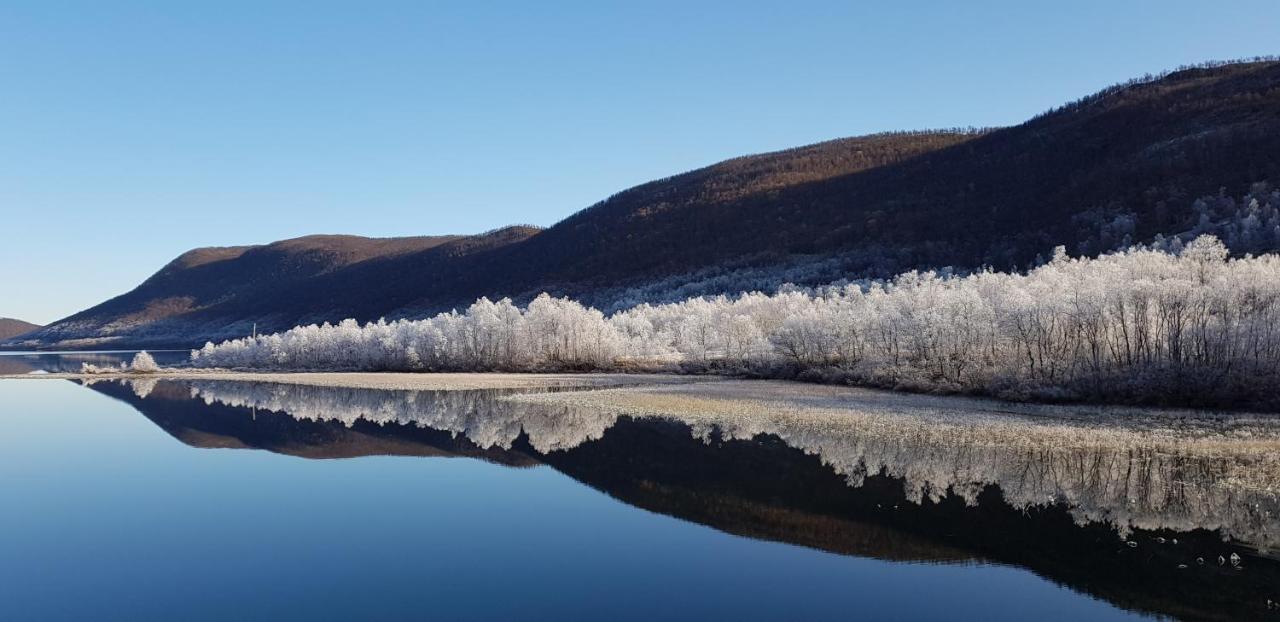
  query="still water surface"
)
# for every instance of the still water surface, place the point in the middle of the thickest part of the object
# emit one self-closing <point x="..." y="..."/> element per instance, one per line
<point x="187" y="500"/>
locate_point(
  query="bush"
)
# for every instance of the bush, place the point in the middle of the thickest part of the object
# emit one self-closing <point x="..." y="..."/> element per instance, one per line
<point x="143" y="363"/>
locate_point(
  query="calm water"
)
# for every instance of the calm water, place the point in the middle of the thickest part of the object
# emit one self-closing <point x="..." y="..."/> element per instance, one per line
<point x="70" y="362"/>
<point x="205" y="500"/>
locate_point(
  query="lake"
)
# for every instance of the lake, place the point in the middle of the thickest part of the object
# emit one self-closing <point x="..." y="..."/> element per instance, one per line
<point x="194" y="500"/>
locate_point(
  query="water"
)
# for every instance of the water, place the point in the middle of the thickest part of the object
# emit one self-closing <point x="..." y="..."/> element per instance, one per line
<point x="70" y="362"/>
<point x="137" y="501"/>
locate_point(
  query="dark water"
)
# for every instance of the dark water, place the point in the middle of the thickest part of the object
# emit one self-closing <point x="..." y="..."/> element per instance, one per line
<point x="205" y="500"/>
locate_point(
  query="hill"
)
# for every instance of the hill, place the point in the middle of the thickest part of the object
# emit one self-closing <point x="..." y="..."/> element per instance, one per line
<point x="227" y="290"/>
<point x="1121" y="165"/>
<point x="10" y="327"/>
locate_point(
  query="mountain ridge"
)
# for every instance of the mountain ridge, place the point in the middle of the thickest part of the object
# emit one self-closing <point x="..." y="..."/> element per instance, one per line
<point x="1124" y="163"/>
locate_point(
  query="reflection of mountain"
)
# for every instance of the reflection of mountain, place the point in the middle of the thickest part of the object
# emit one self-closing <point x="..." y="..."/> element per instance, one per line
<point x="214" y="425"/>
<point x="764" y="489"/>
<point x="1129" y="480"/>
<point x="15" y="365"/>
<point x="1123" y="482"/>
<point x="761" y="487"/>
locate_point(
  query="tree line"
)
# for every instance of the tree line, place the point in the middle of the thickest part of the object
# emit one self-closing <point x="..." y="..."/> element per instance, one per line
<point x="1152" y="325"/>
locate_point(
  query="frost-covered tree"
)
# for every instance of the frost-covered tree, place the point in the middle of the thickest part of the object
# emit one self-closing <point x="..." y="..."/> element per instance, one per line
<point x="144" y="363"/>
<point x="1173" y="322"/>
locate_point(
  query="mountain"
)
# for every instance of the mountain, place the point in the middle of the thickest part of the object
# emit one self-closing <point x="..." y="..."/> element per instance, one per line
<point x="1123" y="164"/>
<point x="250" y="284"/>
<point x="10" y="327"/>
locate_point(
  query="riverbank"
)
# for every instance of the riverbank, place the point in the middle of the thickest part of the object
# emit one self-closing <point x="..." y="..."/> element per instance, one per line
<point x="389" y="381"/>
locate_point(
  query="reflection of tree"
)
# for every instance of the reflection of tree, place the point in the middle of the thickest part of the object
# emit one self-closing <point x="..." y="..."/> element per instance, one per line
<point x="1129" y="480"/>
<point x="765" y="478"/>
<point x="481" y="416"/>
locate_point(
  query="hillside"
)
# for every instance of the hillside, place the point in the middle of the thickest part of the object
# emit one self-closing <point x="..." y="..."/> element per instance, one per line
<point x="227" y="290"/>
<point x="10" y="327"/>
<point x="1124" y="164"/>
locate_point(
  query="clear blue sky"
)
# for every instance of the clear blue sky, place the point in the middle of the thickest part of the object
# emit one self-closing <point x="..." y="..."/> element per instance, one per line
<point x="133" y="131"/>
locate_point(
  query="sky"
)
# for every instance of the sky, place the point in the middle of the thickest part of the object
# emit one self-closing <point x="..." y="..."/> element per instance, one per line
<point x="134" y="131"/>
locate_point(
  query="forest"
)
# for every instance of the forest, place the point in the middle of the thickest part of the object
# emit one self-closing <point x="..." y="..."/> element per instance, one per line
<point x="1171" y="323"/>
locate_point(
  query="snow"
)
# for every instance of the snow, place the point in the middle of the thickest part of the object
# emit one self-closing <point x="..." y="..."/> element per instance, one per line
<point x="1141" y="325"/>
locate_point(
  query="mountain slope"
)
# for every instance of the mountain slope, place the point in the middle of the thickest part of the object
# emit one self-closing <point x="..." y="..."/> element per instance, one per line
<point x="10" y="327"/>
<point x="1138" y="153"/>
<point x="207" y="278"/>
<point x="998" y="198"/>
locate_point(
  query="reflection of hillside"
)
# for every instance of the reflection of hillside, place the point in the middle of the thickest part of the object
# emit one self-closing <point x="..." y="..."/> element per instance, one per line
<point x="763" y="488"/>
<point x="1126" y="480"/>
<point x="1142" y="470"/>
<point x="169" y="406"/>
<point x="789" y="485"/>
<point x="1128" y="486"/>
<point x="14" y="365"/>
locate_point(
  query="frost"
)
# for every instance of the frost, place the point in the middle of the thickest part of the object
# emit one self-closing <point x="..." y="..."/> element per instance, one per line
<point x="1144" y="324"/>
<point x="143" y="363"/>
<point x="1127" y="467"/>
<point x="1130" y="468"/>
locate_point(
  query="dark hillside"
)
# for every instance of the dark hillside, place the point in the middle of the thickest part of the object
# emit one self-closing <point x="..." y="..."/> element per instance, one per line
<point x="999" y="198"/>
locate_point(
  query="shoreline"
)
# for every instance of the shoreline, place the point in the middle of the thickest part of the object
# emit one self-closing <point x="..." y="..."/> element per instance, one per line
<point x="392" y="381"/>
<point x="754" y="398"/>
<point x="788" y="392"/>
<point x="624" y="375"/>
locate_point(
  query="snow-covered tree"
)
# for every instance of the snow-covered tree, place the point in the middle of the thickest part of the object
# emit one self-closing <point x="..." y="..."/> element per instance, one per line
<point x="144" y="363"/>
<point x="1141" y="323"/>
